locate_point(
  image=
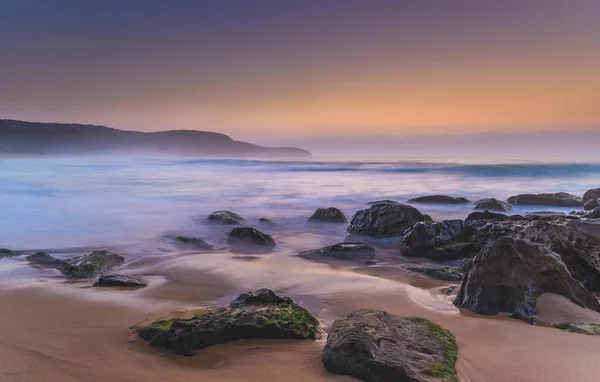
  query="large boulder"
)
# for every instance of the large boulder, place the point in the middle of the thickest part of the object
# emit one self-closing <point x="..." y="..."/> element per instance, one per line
<point x="328" y="215"/>
<point x="436" y="241"/>
<point x="92" y="265"/>
<point x="42" y="258"/>
<point x="225" y="217"/>
<point x="249" y="235"/>
<point x="487" y="215"/>
<point x="121" y="281"/>
<point x="593" y="214"/>
<point x="440" y="199"/>
<point x="437" y="271"/>
<point x="508" y="276"/>
<point x="492" y="204"/>
<point x="261" y="314"/>
<point x="591" y="204"/>
<point x="591" y="194"/>
<point x="385" y="220"/>
<point x="375" y="346"/>
<point x="341" y="251"/>
<point x="560" y="199"/>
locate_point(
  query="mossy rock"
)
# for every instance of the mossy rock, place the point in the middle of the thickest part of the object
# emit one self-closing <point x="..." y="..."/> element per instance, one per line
<point x="581" y="328"/>
<point x="375" y="346"/>
<point x="260" y="314"/>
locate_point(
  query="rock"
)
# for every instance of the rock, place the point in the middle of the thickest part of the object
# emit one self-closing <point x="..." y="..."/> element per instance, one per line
<point x="7" y="253"/>
<point x="328" y="215"/>
<point x="435" y="241"/>
<point x="591" y="194"/>
<point x="509" y="275"/>
<point x="121" y="281"/>
<point x="492" y="204"/>
<point x="445" y="199"/>
<point x="385" y="201"/>
<point x="448" y="290"/>
<point x="581" y="328"/>
<point x="577" y="213"/>
<point x="269" y="223"/>
<point x="561" y="199"/>
<point x="261" y="314"/>
<point x="192" y="242"/>
<point x="249" y="235"/>
<point x="92" y="265"/>
<point x="375" y="346"/>
<point x="591" y="204"/>
<point x="438" y="272"/>
<point x="593" y="214"/>
<point x="385" y="220"/>
<point x="42" y="258"/>
<point x="342" y="251"/>
<point x="225" y="217"/>
<point x="487" y="215"/>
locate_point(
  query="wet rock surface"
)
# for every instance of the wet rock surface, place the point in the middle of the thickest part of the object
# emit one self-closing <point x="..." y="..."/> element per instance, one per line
<point x="492" y="204"/>
<point x="437" y="271"/>
<point x="191" y="242"/>
<point x="448" y="239"/>
<point x="591" y="204"/>
<point x="225" y="217"/>
<point x="560" y="199"/>
<point x="439" y="199"/>
<point x="4" y="252"/>
<point x="591" y="194"/>
<point x="92" y="265"/>
<point x="121" y="281"/>
<point x="250" y="236"/>
<point x="385" y="219"/>
<point x="328" y="215"/>
<point x="593" y="214"/>
<point x="42" y="258"/>
<point x="342" y="251"/>
<point x="375" y="346"/>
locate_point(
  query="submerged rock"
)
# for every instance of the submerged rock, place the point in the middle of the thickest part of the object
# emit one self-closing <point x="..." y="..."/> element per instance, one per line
<point x="442" y="199"/>
<point x="192" y="242"/>
<point x="509" y="275"/>
<point x="385" y="220"/>
<point x="438" y="272"/>
<point x="269" y="223"/>
<point x="249" y="235"/>
<point x="591" y="204"/>
<point x="261" y="314"/>
<point x="121" y="281"/>
<point x="92" y="265"/>
<point x="225" y="217"/>
<point x="4" y="252"/>
<point x="342" y="251"/>
<point x="492" y="204"/>
<point x="328" y="215"/>
<point x="436" y="241"/>
<point x="375" y="346"/>
<point x="561" y="199"/>
<point x="42" y="258"/>
<point x="581" y="328"/>
<point x="591" y="194"/>
<point x="593" y="214"/>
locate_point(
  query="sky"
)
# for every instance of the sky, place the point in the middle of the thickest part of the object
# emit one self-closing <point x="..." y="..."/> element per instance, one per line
<point x="280" y="68"/>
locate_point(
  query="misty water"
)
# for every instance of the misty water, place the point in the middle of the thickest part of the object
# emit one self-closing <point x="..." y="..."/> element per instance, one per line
<point x="82" y="202"/>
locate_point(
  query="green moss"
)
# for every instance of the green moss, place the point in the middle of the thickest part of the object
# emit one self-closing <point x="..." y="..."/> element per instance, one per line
<point x="293" y="316"/>
<point x="164" y="325"/>
<point x="581" y="328"/>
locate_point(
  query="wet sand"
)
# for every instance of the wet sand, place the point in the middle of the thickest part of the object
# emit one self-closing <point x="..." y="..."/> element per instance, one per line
<point x="57" y="331"/>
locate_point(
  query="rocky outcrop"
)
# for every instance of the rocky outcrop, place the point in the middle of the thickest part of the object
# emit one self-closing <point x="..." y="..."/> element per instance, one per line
<point x="593" y="214"/>
<point x="581" y="328"/>
<point x="342" y="251"/>
<point x="494" y="216"/>
<point x="437" y="271"/>
<point x="591" y="204"/>
<point x="591" y="194"/>
<point x="383" y="220"/>
<point x="191" y="242"/>
<point x="560" y="199"/>
<point x="492" y="204"/>
<point x="508" y="276"/>
<point x="92" y="265"/>
<point x="225" y="217"/>
<point x="121" y="281"/>
<point x="261" y="314"/>
<point x="328" y="215"/>
<point x="249" y="235"/>
<point x="375" y="346"/>
<point x="440" y="199"/>
<point x="436" y="241"/>
<point x="4" y="252"/>
<point x="42" y="258"/>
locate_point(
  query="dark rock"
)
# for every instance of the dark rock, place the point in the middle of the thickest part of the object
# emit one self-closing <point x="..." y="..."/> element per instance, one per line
<point x="385" y="201"/>
<point x="591" y="204"/>
<point x="561" y="199"/>
<point x="7" y="253"/>
<point x="375" y="346"/>
<point x="577" y="213"/>
<point x="487" y="215"/>
<point x="492" y="204"/>
<point x="509" y="275"/>
<point x="225" y="217"/>
<point x="436" y="241"/>
<point x="42" y="258"/>
<point x="92" y="265"/>
<point x="261" y="314"/>
<point x="591" y="194"/>
<point x="436" y="271"/>
<point x="249" y="235"/>
<point x="121" y="281"/>
<point x="593" y="214"/>
<point x="445" y="199"/>
<point x="269" y="223"/>
<point x="328" y="215"/>
<point x="342" y="251"/>
<point x="449" y="290"/>
<point x="385" y="220"/>
<point x="193" y="242"/>
<point x="581" y="328"/>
